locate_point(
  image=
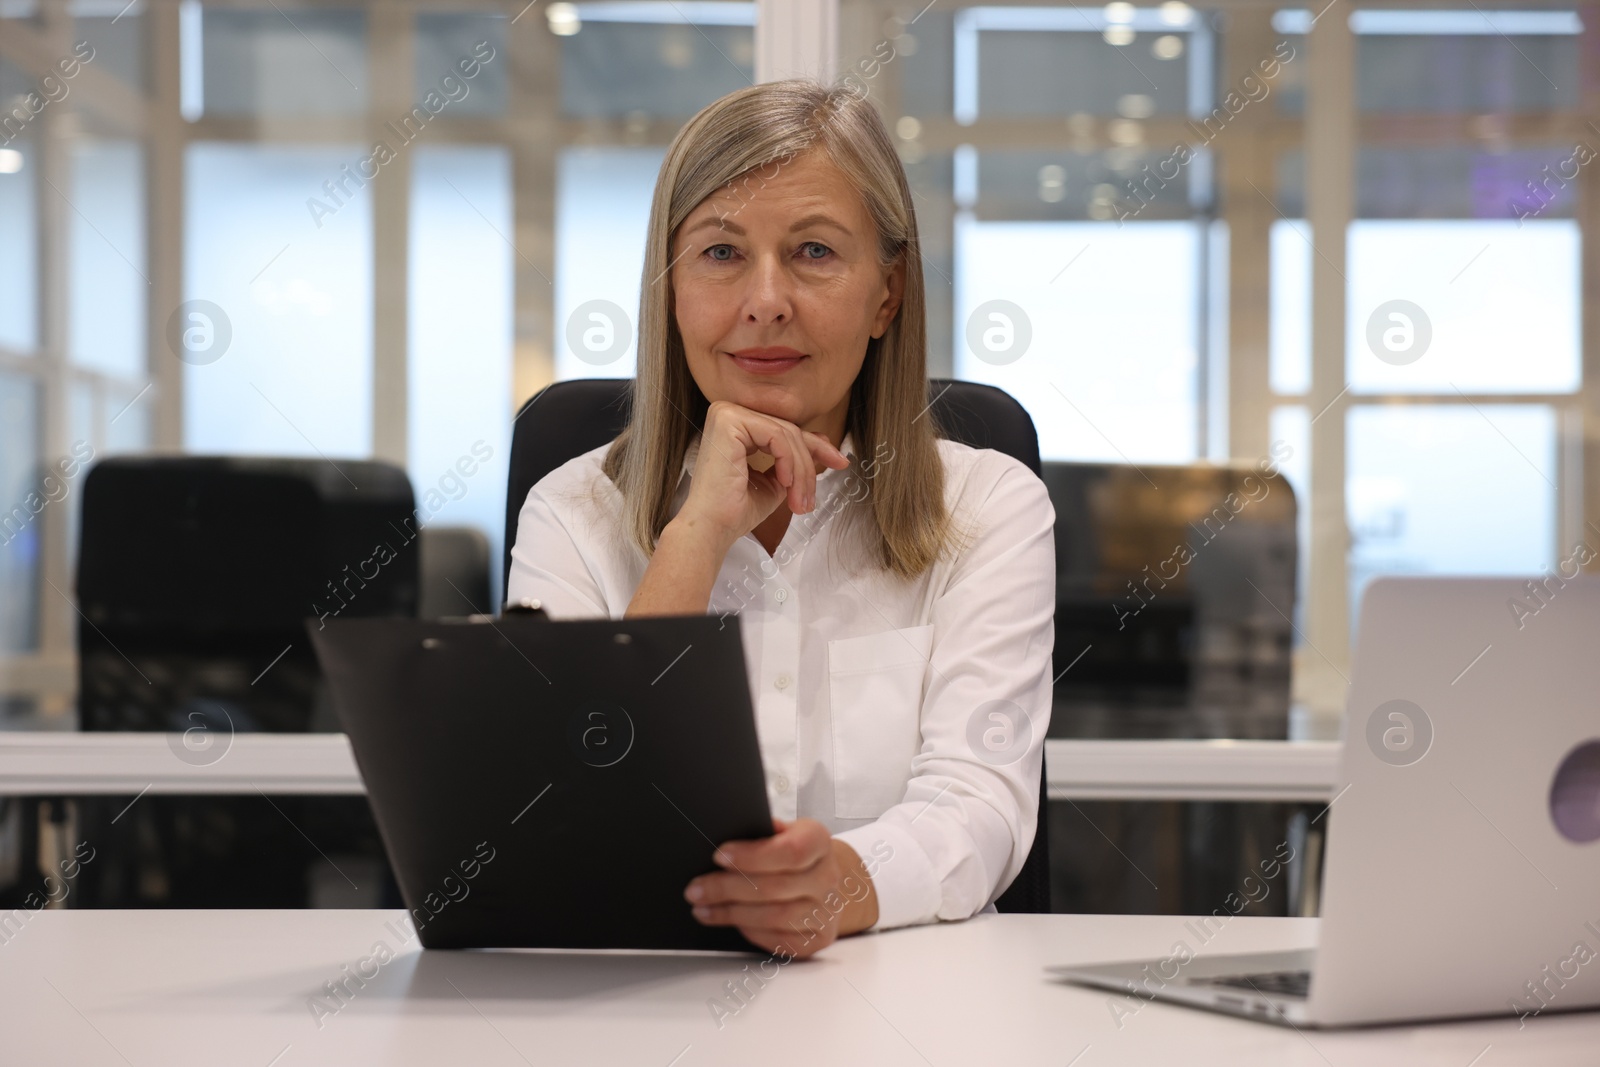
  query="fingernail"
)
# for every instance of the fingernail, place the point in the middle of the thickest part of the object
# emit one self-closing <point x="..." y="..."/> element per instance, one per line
<point x="694" y="892"/>
<point x="720" y="858"/>
<point x="702" y="914"/>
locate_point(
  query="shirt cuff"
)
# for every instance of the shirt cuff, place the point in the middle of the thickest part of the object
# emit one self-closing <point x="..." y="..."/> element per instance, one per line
<point x="907" y="888"/>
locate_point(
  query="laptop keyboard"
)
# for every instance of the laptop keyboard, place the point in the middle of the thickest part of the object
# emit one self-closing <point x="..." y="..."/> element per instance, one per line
<point x="1281" y="983"/>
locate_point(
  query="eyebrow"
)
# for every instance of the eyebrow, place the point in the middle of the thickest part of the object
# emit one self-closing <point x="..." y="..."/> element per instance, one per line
<point x="722" y="223"/>
<point x="817" y="219"/>
<point x="726" y="222"/>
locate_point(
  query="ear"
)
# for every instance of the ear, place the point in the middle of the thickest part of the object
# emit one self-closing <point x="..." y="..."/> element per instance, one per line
<point x="895" y="291"/>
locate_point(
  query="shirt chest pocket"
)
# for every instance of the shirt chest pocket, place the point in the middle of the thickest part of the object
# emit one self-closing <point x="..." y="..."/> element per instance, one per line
<point x="875" y="696"/>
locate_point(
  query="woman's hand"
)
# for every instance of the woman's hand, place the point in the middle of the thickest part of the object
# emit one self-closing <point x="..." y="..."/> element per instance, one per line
<point x="727" y="499"/>
<point x="728" y="496"/>
<point x="795" y="892"/>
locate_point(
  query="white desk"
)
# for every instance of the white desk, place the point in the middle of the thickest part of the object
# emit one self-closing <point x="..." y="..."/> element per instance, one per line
<point x="78" y="764"/>
<point x="169" y="989"/>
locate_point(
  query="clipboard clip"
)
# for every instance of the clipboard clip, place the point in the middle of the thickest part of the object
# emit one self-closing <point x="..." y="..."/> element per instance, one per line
<point x="528" y="606"/>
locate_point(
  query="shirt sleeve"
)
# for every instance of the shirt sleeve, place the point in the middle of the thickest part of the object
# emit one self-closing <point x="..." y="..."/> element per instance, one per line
<point x="960" y="835"/>
<point x="547" y="563"/>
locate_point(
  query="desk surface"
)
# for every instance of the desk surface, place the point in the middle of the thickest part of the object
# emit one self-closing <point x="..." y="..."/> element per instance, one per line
<point x="234" y="987"/>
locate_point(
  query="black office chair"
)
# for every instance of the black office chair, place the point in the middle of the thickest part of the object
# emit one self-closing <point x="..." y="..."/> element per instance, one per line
<point x="192" y="621"/>
<point x="576" y="416"/>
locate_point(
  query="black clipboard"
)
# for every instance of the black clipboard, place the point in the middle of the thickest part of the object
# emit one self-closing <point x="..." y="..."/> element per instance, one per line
<point x="544" y="784"/>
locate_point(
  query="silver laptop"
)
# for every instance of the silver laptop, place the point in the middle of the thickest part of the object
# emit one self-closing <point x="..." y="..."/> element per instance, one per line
<point x="1462" y="874"/>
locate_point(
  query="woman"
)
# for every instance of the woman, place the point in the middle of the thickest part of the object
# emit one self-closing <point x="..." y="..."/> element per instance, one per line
<point x="895" y="591"/>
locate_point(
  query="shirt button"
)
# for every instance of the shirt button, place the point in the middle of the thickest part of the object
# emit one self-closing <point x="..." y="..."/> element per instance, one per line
<point x="782" y="681"/>
<point x="781" y="595"/>
<point x="781" y="784"/>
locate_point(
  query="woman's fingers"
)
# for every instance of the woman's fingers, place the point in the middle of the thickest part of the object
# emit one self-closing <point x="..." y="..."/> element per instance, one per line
<point x="797" y="453"/>
<point x="736" y="491"/>
<point x="797" y="914"/>
<point x="733" y="888"/>
<point x="803" y="489"/>
<point x="815" y="453"/>
<point x="741" y="898"/>
<point x="778" y="890"/>
<point x="797" y="456"/>
<point x="793" y="468"/>
<point x="804" y="468"/>
<point x="799" y="847"/>
<point x="824" y="452"/>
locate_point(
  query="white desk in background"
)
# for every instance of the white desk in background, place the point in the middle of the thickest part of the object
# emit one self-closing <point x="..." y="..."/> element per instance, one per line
<point x="181" y="988"/>
<point x="78" y="764"/>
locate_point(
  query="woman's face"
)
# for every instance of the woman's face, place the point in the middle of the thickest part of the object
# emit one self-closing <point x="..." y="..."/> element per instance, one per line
<point x="777" y="289"/>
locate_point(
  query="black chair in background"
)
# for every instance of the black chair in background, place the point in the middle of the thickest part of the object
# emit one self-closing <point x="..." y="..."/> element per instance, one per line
<point x="1175" y="590"/>
<point x="1182" y="602"/>
<point x="454" y="572"/>
<point x="195" y="579"/>
<point x="569" y="418"/>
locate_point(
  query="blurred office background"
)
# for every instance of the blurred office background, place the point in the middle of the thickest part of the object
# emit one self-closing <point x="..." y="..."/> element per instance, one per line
<point x="1345" y="242"/>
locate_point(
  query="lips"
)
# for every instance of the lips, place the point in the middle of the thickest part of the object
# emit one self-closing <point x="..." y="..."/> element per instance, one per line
<point x="774" y="360"/>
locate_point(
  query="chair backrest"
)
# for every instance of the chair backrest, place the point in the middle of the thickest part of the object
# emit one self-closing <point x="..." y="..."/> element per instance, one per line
<point x="567" y="419"/>
<point x="576" y="416"/>
<point x="169" y="593"/>
<point x="1177" y="642"/>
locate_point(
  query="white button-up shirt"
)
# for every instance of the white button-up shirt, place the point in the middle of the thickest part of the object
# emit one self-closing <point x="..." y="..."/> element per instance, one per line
<point x="906" y="716"/>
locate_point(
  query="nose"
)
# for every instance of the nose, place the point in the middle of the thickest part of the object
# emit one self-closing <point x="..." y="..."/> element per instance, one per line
<point x="768" y="300"/>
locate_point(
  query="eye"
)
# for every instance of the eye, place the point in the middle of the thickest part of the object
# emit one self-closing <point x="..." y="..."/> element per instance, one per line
<point x="716" y="252"/>
<point x="815" y="250"/>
